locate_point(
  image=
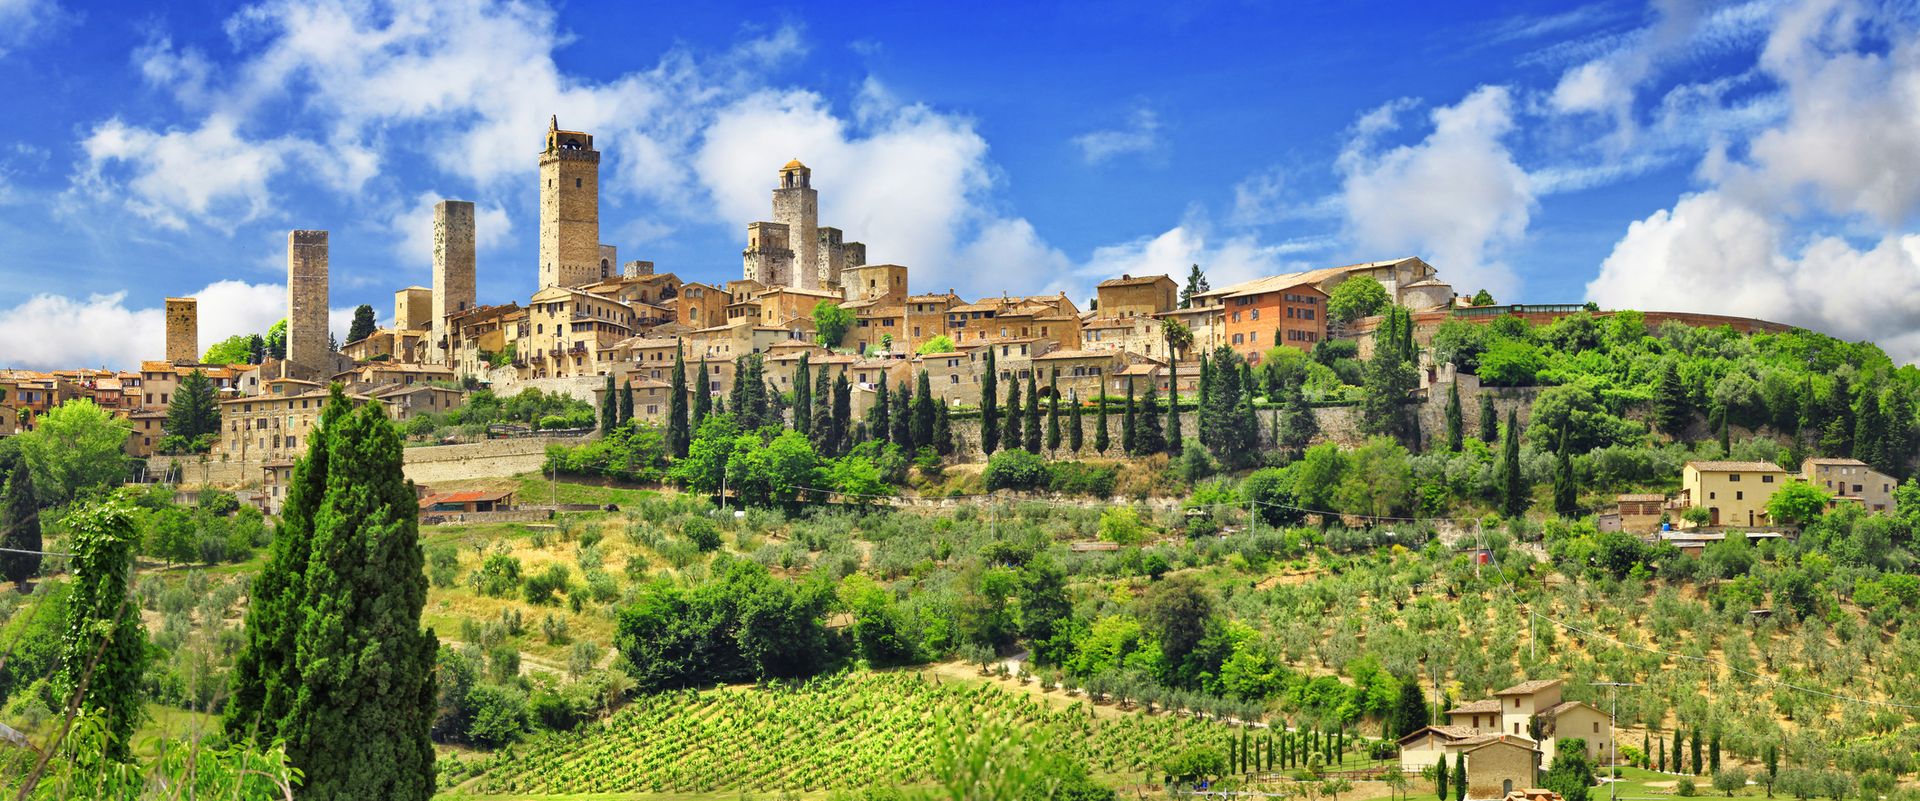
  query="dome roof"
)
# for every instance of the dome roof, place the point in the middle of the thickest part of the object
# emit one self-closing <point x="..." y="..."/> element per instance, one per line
<point x="793" y="165"/>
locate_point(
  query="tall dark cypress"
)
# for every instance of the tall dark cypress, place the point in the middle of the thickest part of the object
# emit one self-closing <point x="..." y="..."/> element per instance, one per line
<point x="1174" y="442"/>
<point x="1489" y="427"/>
<point x="1076" y="432"/>
<point x="609" y="408"/>
<point x="1566" y="494"/>
<point x="702" y="396"/>
<point x="902" y="422"/>
<point x="626" y="402"/>
<point x="820" y="430"/>
<point x="1053" y="413"/>
<point x="879" y="419"/>
<point x="1101" y="441"/>
<point x="266" y="674"/>
<point x="19" y="522"/>
<point x="1031" y="430"/>
<point x="1129" y="425"/>
<point x="1149" y="437"/>
<point x="942" y="431"/>
<point x="678" y="432"/>
<point x="1010" y="433"/>
<point x="1514" y="498"/>
<point x="842" y="414"/>
<point x="1456" y="431"/>
<point x="802" y="395"/>
<point x="359" y="726"/>
<point x="989" y="411"/>
<point x="925" y="418"/>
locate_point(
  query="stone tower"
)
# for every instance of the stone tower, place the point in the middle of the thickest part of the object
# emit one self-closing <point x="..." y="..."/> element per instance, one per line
<point x="569" y="209"/>
<point x="453" y="268"/>
<point x="183" y="330"/>
<point x="797" y="206"/>
<point x="307" y="300"/>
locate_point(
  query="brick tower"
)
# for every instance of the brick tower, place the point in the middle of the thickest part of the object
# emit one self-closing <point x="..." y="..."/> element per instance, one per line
<point x="797" y="206"/>
<point x="569" y="209"/>
<point x="453" y="268"/>
<point x="307" y="300"/>
<point x="183" y="330"/>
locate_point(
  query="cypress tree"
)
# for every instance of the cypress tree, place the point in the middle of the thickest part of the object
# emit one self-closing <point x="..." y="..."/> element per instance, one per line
<point x="1772" y="759"/>
<point x="19" y="522"/>
<point x="678" y="433"/>
<point x="1076" y="430"/>
<point x="820" y="429"/>
<point x="802" y="395"/>
<point x="609" y="408"/>
<point x="1713" y="754"/>
<point x="702" y="396"/>
<point x="1010" y="434"/>
<point x="1514" y="499"/>
<point x="1870" y="429"/>
<point x="842" y="413"/>
<point x="1129" y="426"/>
<point x="903" y="419"/>
<point x="942" y="430"/>
<point x="879" y="418"/>
<point x="989" y="411"/>
<point x="104" y="648"/>
<point x="1566" y="499"/>
<point x="1837" y="410"/>
<point x="1694" y="761"/>
<point x="1671" y="408"/>
<point x="1150" y="438"/>
<point x="1662" y="743"/>
<point x="1101" y="441"/>
<point x="1203" y="421"/>
<point x="1489" y="427"/>
<point x="1724" y="427"/>
<point x="359" y="726"/>
<point x="1440" y="779"/>
<point x="925" y="417"/>
<point x="267" y="673"/>
<point x="1460" y="776"/>
<point x="1053" y="414"/>
<point x="1173" y="438"/>
<point x="1456" y="432"/>
<point x="1031" y="429"/>
<point x="1679" y="753"/>
<point x="194" y="410"/>
<point x="626" y="402"/>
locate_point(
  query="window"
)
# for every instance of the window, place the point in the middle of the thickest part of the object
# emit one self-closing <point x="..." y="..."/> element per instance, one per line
<point x="1255" y="314"/>
<point x="1596" y="727"/>
<point x="576" y="183"/>
<point x="1766" y="479"/>
<point x="1856" y="488"/>
<point x="1733" y="477"/>
<point x="1739" y="496"/>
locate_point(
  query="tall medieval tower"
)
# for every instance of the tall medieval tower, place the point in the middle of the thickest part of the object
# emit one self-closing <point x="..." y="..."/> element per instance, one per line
<point x="307" y="345"/>
<point x="453" y="269"/>
<point x="569" y="209"/>
<point x="797" y="206"/>
<point x="183" y="330"/>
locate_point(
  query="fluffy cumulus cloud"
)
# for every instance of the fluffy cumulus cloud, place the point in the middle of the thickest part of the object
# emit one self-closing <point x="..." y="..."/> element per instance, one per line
<point x="1608" y="83"/>
<point x="104" y="331"/>
<point x="1738" y="247"/>
<point x="1457" y="197"/>
<point x="1141" y="135"/>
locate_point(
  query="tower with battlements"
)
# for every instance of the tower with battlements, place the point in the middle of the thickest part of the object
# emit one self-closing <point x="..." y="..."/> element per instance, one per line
<point x="569" y="209"/>
<point x="453" y="272"/>
<point x="793" y="250"/>
<point x="307" y="340"/>
<point x="183" y="330"/>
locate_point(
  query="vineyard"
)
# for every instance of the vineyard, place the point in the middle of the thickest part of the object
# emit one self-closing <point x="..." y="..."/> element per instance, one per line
<point x="846" y="731"/>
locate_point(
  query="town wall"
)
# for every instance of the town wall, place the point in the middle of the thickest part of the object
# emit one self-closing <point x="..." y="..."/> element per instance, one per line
<point x="494" y="458"/>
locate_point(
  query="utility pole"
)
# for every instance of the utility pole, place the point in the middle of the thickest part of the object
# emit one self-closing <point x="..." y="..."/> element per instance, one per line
<point x="1613" y="736"/>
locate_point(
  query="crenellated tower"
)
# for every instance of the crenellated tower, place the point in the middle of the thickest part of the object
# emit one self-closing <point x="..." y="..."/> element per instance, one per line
<point x="569" y="209"/>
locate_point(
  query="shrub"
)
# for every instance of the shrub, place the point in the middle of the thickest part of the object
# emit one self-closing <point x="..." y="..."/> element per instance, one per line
<point x="1121" y="524"/>
<point x="498" y="576"/>
<point x="540" y="589"/>
<point x="1017" y="470"/>
<point x="1685" y="788"/>
<point x="702" y="533"/>
<point x="1081" y="478"/>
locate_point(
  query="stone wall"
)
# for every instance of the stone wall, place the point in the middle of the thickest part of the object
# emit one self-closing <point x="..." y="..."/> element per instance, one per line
<point x="496" y="458"/>
<point x="506" y="383"/>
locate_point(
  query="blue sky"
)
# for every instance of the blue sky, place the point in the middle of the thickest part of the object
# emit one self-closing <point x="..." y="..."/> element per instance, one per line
<point x="1742" y="157"/>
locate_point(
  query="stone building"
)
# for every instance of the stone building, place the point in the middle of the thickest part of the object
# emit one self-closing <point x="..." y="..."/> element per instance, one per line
<point x="793" y="250"/>
<point x="1079" y="373"/>
<point x="183" y="330"/>
<point x="307" y="298"/>
<point x="413" y="309"/>
<point x="1135" y="296"/>
<point x="571" y="332"/>
<point x="1851" y="481"/>
<point x="1733" y="493"/>
<point x="926" y="318"/>
<point x="570" y="254"/>
<point x="453" y="274"/>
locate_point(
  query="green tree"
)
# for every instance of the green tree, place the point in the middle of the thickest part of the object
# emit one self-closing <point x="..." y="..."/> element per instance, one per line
<point x="902" y="422"/>
<point x="1150" y="438"/>
<point x="193" y="415"/>
<point x="1129" y="425"/>
<point x="926" y="415"/>
<point x="1076" y="429"/>
<point x="1177" y="612"/>
<point x="103" y="654"/>
<point x="1390" y="375"/>
<point x="820" y="431"/>
<point x="363" y="323"/>
<point x="1409" y="712"/>
<point x="842" y="414"/>
<point x="1694" y="759"/>
<point x="277" y="339"/>
<point x="1713" y="756"/>
<point x="19" y="522"/>
<point x="1178" y="336"/>
<point x="359" y="725"/>
<point x="1489" y="421"/>
<point x="1101" y="440"/>
<point x="880" y="415"/>
<point x="1357" y="297"/>
<point x="1173" y="432"/>
<point x="1196" y="284"/>
<point x="256" y="349"/>
<point x="1797" y="504"/>
<point x="938" y="343"/>
<point x="679" y="432"/>
<point x="702" y="396"/>
<point x="1483" y="298"/>
<point x="236" y="349"/>
<point x="1053" y="413"/>
<point x="1570" y="774"/>
<point x="74" y="448"/>
<point x="803" y="395"/>
<point x="1010" y="434"/>
<point x="626" y="402"/>
<point x="1566" y="493"/>
<point x="1456" y="432"/>
<point x="609" y="408"/>
<point x="1030" y="430"/>
<point x="1515" y="497"/>
<point x="989" y="407"/>
<point x="831" y="322"/>
<point x="1459" y="776"/>
<point x="1440" y="779"/>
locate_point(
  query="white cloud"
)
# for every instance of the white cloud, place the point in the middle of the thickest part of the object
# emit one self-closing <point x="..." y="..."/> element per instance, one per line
<point x="1141" y="135"/>
<point x="1456" y="198"/>
<point x="22" y="20"/>
<point x="1608" y="84"/>
<point x="211" y="175"/>
<point x="412" y="225"/>
<point x="1734" y="248"/>
<point x="103" y="331"/>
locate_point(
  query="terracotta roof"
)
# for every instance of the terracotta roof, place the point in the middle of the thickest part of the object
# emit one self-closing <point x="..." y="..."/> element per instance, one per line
<point x="1528" y="687"/>
<point x="1448" y="732"/>
<point x="1476" y="708"/>
<point x="1134" y="280"/>
<point x="1564" y="706"/>
<point x="467" y="496"/>
<point x="1737" y="467"/>
<point x="1077" y="354"/>
<point x="1484" y="740"/>
<point x="1837" y="461"/>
